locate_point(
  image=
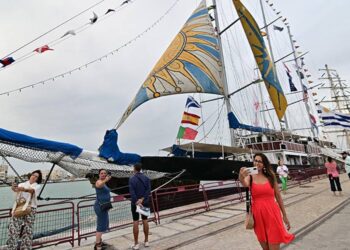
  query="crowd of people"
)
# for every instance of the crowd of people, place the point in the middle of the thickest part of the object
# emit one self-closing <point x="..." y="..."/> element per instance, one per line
<point x="270" y="220"/>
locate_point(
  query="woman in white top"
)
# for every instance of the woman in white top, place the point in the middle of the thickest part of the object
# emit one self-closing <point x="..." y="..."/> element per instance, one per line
<point x="28" y="190"/>
<point x="282" y="172"/>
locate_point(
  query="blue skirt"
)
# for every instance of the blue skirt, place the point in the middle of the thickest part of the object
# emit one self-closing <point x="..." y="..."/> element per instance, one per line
<point x="102" y="219"/>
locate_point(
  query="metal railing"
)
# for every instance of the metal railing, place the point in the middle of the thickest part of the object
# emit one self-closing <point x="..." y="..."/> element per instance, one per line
<point x="56" y="223"/>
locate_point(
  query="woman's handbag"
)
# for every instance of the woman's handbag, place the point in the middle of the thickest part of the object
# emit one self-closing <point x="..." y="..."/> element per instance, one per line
<point x="105" y="206"/>
<point x="22" y="206"/>
<point x="249" y="219"/>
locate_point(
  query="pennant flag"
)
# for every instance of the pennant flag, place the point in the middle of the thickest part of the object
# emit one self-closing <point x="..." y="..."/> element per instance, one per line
<point x="278" y="13"/>
<point x="305" y="70"/>
<point x="297" y="46"/>
<point x="305" y="93"/>
<point x="69" y="32"/>
<point x="263" y="33"/>
<point x="109" y="11"/>
<point x="333" y="119"/>
<point x="191" y="102"/>
<point x="290" y="79"/>
<point x="314" y="93"/>
<point x="125" y="2"/>
<point x="275" y="27"/>
<point x="186" y="133"/>
<point x="263" y="59"/>
<point x="271" y="4"/>
<point x="7" y="61"/>
<point x="300" y="74"/>
<point x="310" y="82"/>
<point x="42" y="49"/>
<point x="308" y="76"/>
<point x="284" y="19"/>
<point x="294" y="41"/>
<point x="190" y="118"/>
<point x="94" y="18"/>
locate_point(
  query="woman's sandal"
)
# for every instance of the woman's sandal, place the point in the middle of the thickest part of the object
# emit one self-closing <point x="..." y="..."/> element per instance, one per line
<point x="98" y="246"/>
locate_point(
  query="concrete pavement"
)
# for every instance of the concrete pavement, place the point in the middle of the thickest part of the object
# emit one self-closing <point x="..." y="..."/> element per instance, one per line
<point x="222" y="227"/>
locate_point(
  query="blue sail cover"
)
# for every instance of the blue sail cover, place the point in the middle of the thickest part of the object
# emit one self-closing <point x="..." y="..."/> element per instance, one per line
<point x="36" y="143"/>
<point x="234" y="123"/>
<point x="110" y="150"/>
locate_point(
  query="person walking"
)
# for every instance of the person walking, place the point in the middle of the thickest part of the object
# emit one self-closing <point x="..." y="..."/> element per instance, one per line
<point x="282" y="172"/>
<point x="140" y="189"/>
<point x="26" y="192"/>
<point x="267" y="205"/>
<point x="333" y="175"/>
<point x="101" y="207"/>
<point x="346" y="158"/>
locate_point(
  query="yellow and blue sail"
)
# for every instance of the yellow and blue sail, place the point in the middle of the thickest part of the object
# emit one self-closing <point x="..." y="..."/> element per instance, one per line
<point x="191" y="64"/>
<point x="263" y="59"/>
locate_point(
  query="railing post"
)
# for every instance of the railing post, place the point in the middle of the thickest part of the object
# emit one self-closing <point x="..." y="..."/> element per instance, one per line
<point x="205" y="197"/>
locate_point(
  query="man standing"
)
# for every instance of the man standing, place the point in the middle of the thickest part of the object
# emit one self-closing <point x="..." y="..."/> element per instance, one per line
<point x="140" y="189"/>
<point x="346" y="158"/>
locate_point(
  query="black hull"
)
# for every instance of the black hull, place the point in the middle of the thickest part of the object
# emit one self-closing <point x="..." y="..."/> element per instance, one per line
<point x="196" y="170"/>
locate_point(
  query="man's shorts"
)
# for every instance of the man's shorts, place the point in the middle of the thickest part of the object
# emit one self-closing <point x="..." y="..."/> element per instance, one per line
<point x="136" y="215"/>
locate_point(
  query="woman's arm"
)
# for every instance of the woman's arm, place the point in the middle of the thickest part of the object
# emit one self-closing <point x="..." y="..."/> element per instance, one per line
<point x="244" y="177"/>
<point x="101" y="183"/>
<point x="281" y="205"/>
<point x="28" y="190"/>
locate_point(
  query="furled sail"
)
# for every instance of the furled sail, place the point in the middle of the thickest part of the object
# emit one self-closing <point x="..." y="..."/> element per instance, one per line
<point x="191" y="64"/>
<point x="262" y="58"/>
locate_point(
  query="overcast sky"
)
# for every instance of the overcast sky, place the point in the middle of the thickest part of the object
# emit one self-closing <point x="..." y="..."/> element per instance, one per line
<point x="80" y="107"/>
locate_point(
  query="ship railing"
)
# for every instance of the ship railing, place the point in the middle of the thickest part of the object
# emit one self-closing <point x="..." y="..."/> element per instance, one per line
<point x="173" y="201"/>
<point x="54" y="224"/>
<point x="277" y="145"/>
<point x="119" y="216"/>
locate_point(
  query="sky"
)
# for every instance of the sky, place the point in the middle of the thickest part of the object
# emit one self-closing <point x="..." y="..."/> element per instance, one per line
<point x="80" y="107"/>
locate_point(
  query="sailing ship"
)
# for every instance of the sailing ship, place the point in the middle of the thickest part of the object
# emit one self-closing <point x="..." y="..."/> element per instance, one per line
<point x="193" y="63"/>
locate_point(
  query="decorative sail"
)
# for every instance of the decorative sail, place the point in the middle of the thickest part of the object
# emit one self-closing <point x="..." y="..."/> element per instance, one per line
<point x="262" y="58"/>
<point x="190" y="64"/>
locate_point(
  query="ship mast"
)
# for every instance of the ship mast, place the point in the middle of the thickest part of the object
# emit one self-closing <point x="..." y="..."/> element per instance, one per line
<point x="271" y="52"/>
<point x="307" y="107"/>
<point x="339" y="100"/>
<point x="224" y="77"/>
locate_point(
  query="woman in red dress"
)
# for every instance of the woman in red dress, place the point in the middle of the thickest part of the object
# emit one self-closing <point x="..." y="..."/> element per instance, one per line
<point x="267" y="205"/>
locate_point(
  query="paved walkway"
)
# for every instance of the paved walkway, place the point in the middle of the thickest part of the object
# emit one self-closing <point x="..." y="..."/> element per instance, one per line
<point x="222" y="228"/>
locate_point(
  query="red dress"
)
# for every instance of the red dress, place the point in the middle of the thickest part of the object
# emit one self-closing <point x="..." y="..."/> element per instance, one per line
<point x="268" y="223"/>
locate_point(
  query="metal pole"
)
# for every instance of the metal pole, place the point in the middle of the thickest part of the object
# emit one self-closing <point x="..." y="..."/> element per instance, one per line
<point x="224" y="77"/>
<point x="271" y="52"/>
<point x="13" y="169"/>
<point x="307" y="107"/>
<point x="46" y="179"/>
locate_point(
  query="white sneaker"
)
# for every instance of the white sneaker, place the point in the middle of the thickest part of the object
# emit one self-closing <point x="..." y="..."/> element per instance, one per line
<point x="135" y="247"/>
<point x="146" y="244"/>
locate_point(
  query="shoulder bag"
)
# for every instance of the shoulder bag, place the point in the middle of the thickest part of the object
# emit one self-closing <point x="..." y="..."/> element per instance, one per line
<point x="22" y="206"/>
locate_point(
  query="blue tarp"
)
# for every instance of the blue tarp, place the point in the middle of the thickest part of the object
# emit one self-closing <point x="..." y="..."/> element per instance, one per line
<point x="25" y="140"/>
<point x="234" y="123"/>
<point x="110" y="150"/>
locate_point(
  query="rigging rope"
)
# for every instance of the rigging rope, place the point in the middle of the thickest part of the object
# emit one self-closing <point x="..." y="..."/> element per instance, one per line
<point x="62" y="75"/>
<point x="54" y="28"/>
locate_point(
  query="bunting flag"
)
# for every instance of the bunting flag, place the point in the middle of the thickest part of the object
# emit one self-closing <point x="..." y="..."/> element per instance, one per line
<point x="187" y="133"/>
<point x="333" y="119"/>
<point x="7" y="61"/>
<point x="263" y="33"/>
<point x="305" y="94"/>
<point x="191" y="64"/>
<point x="279" y="12"/>
<point x="125" y="2"/>
<point x="109" y="11"/>
<point x="302" y="61"/>
<point x="290" y="79"/>
<point x="313" y="122"/>
<point x="310" y="82"/>
<point x="42" y="49"/>
<point x="275" y="27"/>
<point x="284" y="19"/>
<point x="190" y="118"/>
<point x="191" y="102"/>
<point x="300" y="74"/>
<point x="263" y="59"/>
<point x="314" y="93"/>
<point x="69" y="32"/>
<point x="94" y="18"/>
<point x="308" y="76"/>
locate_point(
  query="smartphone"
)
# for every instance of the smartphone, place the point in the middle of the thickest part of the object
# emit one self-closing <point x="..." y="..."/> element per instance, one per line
<point x="253" y="170"/>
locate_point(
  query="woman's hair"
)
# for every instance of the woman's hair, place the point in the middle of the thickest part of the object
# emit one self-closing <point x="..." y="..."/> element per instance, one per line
<point x="102" y="169"/>
<point x="270" y="175"/>
<point x="329" y="159"/>
<point x="40" y="178"/>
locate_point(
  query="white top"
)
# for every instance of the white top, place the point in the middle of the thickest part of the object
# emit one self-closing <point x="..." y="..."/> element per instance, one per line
<point x="282" y="171"/>
<point x="27" y="195"/>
